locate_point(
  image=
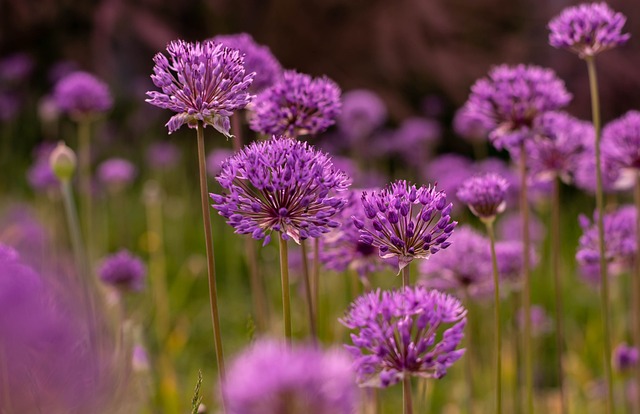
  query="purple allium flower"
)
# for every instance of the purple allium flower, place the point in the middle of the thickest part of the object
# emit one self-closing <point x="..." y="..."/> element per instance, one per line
<point x="362" y="112"/>
<point x="540" y="321"/>
<point x="16" y="68"/>
<point x="509" y="228"/>
<point x="10" y="105"/>
<point x="625" y="357"/>
<point x="273" y="378"/>
<point x="40" y="175"/>
<point x="449" y="171"/>
<point x="471" y="128"/>
<point x="342" y="248"/>
<point x="116" y="172"/>
<point x="620" y="238"/>
<point x="162" y="155"/>
<point x="414" y="140"/>
<point x="511" y="97"/>
<point x="485" y="195"/>
<point x="296" y="105"/>
<point x="588" y="29"/>
<point x="204" y="82"/>
<point x="215" y="160"/>
<point x="397" y="334"/>
<point x="406" y="222"/>
<point x="560" y="142"/>
<point x="621" y="146"/>
<point x="510" y="258"/>
<point x="464" y="267"/>
<point x="257" y="59"/>
<point x="281" y="185"/>
<point x="123" y="271"/>
<point x="82" y="95"/>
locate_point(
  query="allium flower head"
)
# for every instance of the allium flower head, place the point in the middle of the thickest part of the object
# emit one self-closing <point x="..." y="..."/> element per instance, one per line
<point x="620" y="238"/>
<point x="123" y="270"/>
<point x="409" y="332"/>
<point x="406" y="222"/>
<point x="510" y="258"/>
<point x="204" y="82"/>
<point x="162" y="155"/>
<point x="280" y="185"/>
<point x="82" y="95"/>
<point x="485" y="195"/>
<point x="621" y="143"/>
<point x="362" y="112"/>
<point x="471" y="128"/>
<point x="588" y="29"/>
<point x="116" y="172"/>
<point x="257" y="59"/>
<point x="510" y="99"/>
<point x="296" y="105"/>
<point x="625" y="357"/>
<point x="273" y="378"/>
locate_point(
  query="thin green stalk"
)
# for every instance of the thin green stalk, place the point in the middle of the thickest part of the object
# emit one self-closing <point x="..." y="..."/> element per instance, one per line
<point x="307" y="291"/>
<point x="74" y="232"/>
<point x="555" y="270"/>
<point x="526" y="291"/>
<point x="236" y="128"/>
<point x="211" y="266"/>
<point x="284" y="275"/>
<point x="84" y="166"/>
<point x="636" y="287"/>
<point x="406" y="394"/>
<point x="469" y="354"/>
<point x="604" y="288"/>
<point x="496" y="298"/>
<point x="406" y="277"/>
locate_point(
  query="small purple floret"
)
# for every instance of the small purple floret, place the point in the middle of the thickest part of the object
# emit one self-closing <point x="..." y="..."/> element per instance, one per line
<point x="485" y="195"/>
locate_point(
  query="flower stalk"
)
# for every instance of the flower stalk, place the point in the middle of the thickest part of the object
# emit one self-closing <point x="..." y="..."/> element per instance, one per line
<point x="496" y="297"/>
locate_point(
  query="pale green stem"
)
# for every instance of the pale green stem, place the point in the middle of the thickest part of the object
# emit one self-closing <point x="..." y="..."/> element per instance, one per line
<point x="284" y="275"/>
<point x="636" y="287"/>
<point x="604" y="288"/>
<point x="469" y="356"/>
<point x="496" y="321"/>
<point x="307" y="291"/>
<point x="406" y="394"/>
<point x="211" y="267"/>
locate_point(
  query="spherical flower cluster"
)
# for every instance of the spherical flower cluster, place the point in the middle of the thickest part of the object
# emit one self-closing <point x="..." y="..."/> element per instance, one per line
<point x="471" y="128"/>
<point x="204" y="82"/>
<point x="362" y="112"/>
<point x="620" y="239"/>
<point x="485" y="195"/>
<point x="406" y="222"/>
<point x="296" y="105"/>
<point x="510" y="258"/>
<point x="559" y="143"/>
<point x="162" y="155"/>
<point x="396" y="334"/>
<point x="621" y="144"/>
<point x="588" y="29"/>
<point x="82" y="95"/>
<point x="116" y="173"/>
<point x="123" y="271"/>
<point x="273" y="378"/>
<point x="625" y="357"/>
<point x="510" y="99"/>
<point x="414" y="140"/>
<point x="280" y="185"/>
<point x="257" y="58"/>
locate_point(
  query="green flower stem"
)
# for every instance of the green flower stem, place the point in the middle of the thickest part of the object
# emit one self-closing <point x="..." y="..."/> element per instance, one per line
<point x="211" y="266"/>
<point x="636" y="287"/>
<point x="307" y="291"/>
<point x="284" y="275"/>
<point x="406" y="394"/>
<point x="555" y="270"/>
<point x="236" y="129"/>
<point x="526" y="291"/>
<point x="604" y="288"/>
<point x="496" y="298"/>
<point x="469" y="355"/>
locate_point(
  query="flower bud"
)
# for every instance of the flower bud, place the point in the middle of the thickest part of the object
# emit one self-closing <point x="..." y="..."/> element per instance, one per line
<point x="63" y="162"/>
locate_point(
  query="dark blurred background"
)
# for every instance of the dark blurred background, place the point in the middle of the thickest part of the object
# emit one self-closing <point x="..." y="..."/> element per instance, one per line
<point x="419" y="55"/>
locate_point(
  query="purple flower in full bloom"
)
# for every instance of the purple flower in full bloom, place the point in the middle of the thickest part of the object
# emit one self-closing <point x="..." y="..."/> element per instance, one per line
<point x="123" y="271"/>
<point x="588" y="29"/>
<point x="257" y="58"/>
<point x="82" y="95"/>
<point x="296" y="105"/>
<point x="162" y="155"/>
<point x="273" y="378"/>
<point x="625" y="357"/>
<point x="510" y="99"/>
<point x="204" y="82"/>
<point x="362" y="112"/>
<point x="397" y="334"/>
<point x="485" y="195"/>
<point x="406" y="222"/>
<point x="281" y="185"/>
<point x="116" y="173"/>
<point x="621" y="146"/>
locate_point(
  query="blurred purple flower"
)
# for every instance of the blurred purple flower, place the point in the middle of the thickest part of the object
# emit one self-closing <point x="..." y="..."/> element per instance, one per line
<point x="414" y="140"/>
<point x="204" y="82"/>
<point x="540" y="321"/>
<point x="362" y="112"/>
<point x="10" y="105"/>
<point x="471" y="128"/>
<point x="82" y="95"/>
<point x="40" y="175"/>
<point x="588" y="29"/>
<point x="396" y="334"/>
<point x="621" y="147"/>
<point x="257" y="59"/>
<point x="281" y="185"/>
<point x="296" y="105"/>
<point x="485" y="195"/>
<point x="510" y="258"/>
<point x="273" y="378"/>
<point x="449" y="171"/>
<point x="162" y="155"/>
<point x="215" y="160"/>
<point x="124" y="271"/>
<point x="116" y="173"/>
<point x="510" y="99"/>
<point x="625" y="357"/>
<point x="16" y="68"/>
<point x="406" y="222"/>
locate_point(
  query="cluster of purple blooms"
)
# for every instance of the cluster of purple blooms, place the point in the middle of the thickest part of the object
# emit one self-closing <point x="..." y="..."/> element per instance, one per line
<point x="116" y="173"/>
<point x="362" y="112"/>
<point x="82" y="96"/>
<point x="397" y="334"/>
<point x="485" y="195"/>
<point x="621" y="146"/>
<point x="124" y="271"/>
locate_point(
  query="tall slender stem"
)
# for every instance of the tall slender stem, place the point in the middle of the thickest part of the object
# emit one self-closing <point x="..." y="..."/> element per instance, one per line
<point x="74" y="232"/>
<point x="406" y="394"/>
<point x="406" y="277"/>
<point x="284" y="275"/>
<point x="211" y="265"/>
<point x="84" y="161"/>
<point x="307" y="289"/>
<point x="496" y="298"/>
<point x="604" y="288"/>
<point x="636" y="286"/>
<point x="236" y="128"/>
<point x="555" y="270"/>
<point x="469" y="354"/>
